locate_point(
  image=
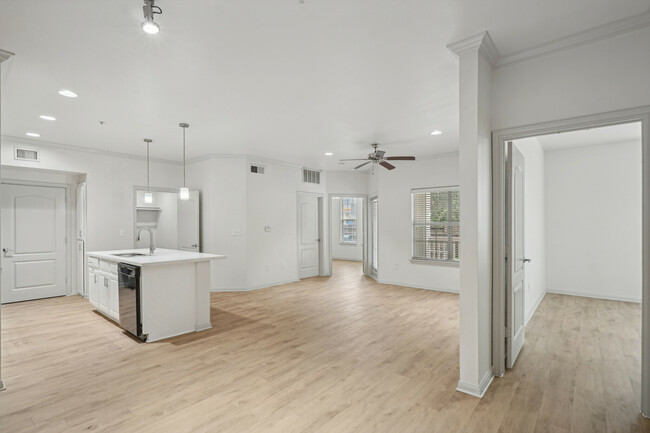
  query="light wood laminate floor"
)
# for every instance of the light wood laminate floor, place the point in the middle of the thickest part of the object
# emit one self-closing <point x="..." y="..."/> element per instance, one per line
<point x="339" y="354"/>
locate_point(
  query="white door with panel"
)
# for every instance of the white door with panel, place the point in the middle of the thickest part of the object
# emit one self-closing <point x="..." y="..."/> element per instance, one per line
<point x="516" y="261"/>
<point x="308" y="235"/>
<point x="188" y="223"/>
<point x="33" y="237"/>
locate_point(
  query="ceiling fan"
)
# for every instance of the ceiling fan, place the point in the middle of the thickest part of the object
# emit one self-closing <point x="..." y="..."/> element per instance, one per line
<point x="379" y="157"/>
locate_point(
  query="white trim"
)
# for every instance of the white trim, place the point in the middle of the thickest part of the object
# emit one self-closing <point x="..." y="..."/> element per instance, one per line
<point x="476" y="391"/>
<point x="481" y="43"/>
<point x="594" y="296"/>
<point x="364" y="229"/>
<point x="250" y="289"/>
<point x="434" y="262"/>
<point x="415" y="286"/>
<point x="203" y="327"/>
<point x="5" y="55"/>
<point x="534" y="310"/>
<point x="605" y="31"/>
<point x="73" y="148"/>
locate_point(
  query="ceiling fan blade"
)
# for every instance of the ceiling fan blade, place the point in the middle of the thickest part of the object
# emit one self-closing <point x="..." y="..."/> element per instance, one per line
<point x="358" y="159"/>
<point x="401" y="158"/>
<point x="387" y="165"/>
<point x="359" y="166"/>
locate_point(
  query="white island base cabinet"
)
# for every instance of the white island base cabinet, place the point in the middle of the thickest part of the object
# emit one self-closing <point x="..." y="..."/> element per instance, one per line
<point x="174" y="289"/>
<point x="175" y="299"/>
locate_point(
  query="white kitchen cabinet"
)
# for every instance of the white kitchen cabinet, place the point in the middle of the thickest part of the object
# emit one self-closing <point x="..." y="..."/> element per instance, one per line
<point x="113" y="298"/>
<point x="103" y="287"/>
<point x="94" y="282"/>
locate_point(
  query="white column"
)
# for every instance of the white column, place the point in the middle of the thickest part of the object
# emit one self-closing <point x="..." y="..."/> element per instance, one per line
<point x="477" y="55"/>
<point x="4" y="55"/>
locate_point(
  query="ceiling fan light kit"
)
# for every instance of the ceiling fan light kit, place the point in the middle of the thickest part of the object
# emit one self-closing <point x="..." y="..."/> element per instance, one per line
<point x="379" y="157"/>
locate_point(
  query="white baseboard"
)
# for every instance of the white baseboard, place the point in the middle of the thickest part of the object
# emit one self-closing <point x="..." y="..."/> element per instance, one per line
<point x="594" y="295"/>
<point x="250" y="289"/>
<point x="203" y="327"/>
<point x="415" y="286"/>
<point x="476" y="390"/>
<point x="532" y="313"/>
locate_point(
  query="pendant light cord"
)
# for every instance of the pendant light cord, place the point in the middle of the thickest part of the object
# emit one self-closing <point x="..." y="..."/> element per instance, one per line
<point x="148" y="167"/>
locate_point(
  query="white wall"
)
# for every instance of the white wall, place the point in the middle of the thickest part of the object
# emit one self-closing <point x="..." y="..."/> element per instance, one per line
<point x="395" y="229"/>
<point x="237" y="205"/>
<point x="110" y="181"/>
<point x="534" y="223"/>
<point x="593" y="221"/>
<point x="607" y="75"/>
<point x="346" y="251"/>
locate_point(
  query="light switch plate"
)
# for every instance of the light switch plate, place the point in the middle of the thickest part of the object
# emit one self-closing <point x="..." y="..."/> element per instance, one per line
<point x="236" y="232"/>
<point x="122" y="233"/>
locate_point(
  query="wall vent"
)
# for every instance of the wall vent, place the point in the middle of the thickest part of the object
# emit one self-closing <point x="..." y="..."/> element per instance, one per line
<point x="23" y="154"/>
<point x="259" y="169"/>
<point x="310" y="176"/>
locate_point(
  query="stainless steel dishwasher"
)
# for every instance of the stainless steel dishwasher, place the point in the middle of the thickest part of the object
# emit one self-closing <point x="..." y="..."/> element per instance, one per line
<point x="129" y="292"/>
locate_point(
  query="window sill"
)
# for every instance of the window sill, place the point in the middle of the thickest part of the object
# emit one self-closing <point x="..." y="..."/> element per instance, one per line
<point x="435" y="262"/>
<point x="348" y="243"/>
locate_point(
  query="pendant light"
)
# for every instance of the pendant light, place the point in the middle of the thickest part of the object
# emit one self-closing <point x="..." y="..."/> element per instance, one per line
<point x="184" y="192"/>
<point x="148" y="196"/>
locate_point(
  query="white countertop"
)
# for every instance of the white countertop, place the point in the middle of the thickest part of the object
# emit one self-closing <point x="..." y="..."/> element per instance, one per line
<point x="161" y="255"/>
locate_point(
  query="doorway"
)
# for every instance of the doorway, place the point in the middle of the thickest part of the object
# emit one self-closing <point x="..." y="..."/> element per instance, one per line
<point x="373" y="234"/>
<point x="34" y="242"/>
<point x="511" y="253"/>
<point x="347" y="228"/>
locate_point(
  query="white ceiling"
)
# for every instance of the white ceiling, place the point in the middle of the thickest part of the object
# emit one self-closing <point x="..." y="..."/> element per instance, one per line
<point x="273" y="78"/>
<point x="623" y="133"/>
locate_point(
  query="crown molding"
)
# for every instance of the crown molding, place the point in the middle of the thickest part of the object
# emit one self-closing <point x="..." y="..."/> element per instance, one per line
<point x="586" y="37"/>
<point x="5" y="55"/>
<point x="481" y="43"/>
<point x="72" y="148"/>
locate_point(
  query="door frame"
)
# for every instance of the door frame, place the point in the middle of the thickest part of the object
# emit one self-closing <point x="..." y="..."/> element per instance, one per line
<point x="499" y="140"/>
<point x="69" y="230"/>
<point x="372" y="272"/>
<point x="321" y="234"/>
<point x="364" y="234"/>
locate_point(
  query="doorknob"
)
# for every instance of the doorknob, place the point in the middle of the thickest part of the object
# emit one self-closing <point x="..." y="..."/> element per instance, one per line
<point x="193" y="246"/>
<point x="8" y="253"/>
<point x="525" y="260"/>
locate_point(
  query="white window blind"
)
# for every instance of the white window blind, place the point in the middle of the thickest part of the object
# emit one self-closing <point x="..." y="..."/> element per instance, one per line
<point x="348" y="221"/>
<point x="436" y="224"/>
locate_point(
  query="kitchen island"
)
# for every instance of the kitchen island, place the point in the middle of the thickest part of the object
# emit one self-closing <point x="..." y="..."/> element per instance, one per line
<point x="174" y="288"/>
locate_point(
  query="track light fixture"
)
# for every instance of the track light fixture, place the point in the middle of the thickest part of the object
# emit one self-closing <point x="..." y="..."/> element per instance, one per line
<point x="148" y="25"/>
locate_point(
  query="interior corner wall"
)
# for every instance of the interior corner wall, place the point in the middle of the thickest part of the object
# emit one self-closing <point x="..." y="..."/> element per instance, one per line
<point x="222" y="182"/>
<point x="395" y="223"/>
<point x="603" y="76"/>
<point x="594" y="221"/>
<point x="534" y="223"/>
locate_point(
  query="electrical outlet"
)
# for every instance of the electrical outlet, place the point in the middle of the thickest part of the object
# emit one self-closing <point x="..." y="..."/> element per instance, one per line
<point x="122" y="233"/>
<point x="396" y="266"/>
<point x="268" y="267"/>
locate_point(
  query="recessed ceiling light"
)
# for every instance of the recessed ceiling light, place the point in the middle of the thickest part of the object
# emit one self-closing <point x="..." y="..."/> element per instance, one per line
<point x="436" y="132"/>
<point x="32" y="134"/>
<point x="44" y="117"/>
<point x="67" y="93"/>
<point x="328" y="154"/>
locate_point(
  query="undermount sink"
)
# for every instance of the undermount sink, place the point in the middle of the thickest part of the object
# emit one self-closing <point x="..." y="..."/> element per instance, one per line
<point x="129" y="254"/>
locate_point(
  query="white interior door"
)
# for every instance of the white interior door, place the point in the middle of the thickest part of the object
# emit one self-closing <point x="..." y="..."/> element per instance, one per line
<point x="515" y="262"/>
<point x="373" y="234"/>
<point x="308" y="235"/>
<point x="188" y="223"/>
<point x="33" y="242"/>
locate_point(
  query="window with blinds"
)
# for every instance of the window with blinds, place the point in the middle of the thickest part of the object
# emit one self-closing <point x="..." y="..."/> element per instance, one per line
<point x="436" y="224"/>
<point x="348" y="221"/>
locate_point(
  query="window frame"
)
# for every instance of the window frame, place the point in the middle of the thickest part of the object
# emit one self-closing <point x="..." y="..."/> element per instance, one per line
<point x="449" y="225"/>
<point x="343" y="220"/>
